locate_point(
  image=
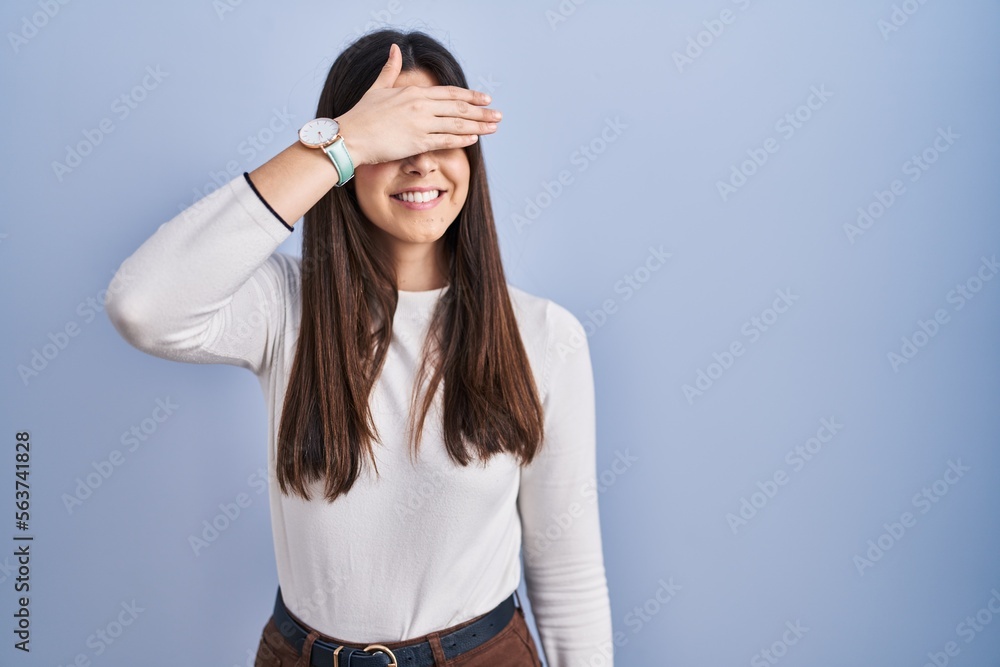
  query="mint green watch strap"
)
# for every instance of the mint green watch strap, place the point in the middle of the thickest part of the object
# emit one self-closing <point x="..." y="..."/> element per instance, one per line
<point x="341" y="160"/>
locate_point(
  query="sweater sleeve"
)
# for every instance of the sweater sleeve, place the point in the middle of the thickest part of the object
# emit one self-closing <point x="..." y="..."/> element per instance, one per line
<point x="557" y="501"/>
<point x="207" y="286"/>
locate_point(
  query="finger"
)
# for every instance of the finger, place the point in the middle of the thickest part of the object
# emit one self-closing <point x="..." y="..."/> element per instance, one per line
<point x="437" y="142"/>
<point x="460" y="126"/>
<point x="461" y="109"/>
<point x="457" y="93"/>
<point x="387" y="77"/>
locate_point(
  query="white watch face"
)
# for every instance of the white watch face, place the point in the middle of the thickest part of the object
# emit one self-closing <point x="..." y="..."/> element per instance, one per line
<point x="319" y="132"/>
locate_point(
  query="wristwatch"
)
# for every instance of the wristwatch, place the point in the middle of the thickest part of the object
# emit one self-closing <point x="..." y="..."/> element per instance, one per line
<point x="324" y="133"/>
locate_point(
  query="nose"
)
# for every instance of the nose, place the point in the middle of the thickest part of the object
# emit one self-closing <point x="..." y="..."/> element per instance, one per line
<point x="421" y="163"/>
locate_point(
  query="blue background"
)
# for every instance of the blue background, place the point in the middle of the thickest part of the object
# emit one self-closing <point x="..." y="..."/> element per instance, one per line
<point x="560" y="73"/>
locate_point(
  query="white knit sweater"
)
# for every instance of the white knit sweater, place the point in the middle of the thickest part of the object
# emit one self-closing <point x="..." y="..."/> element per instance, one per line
<point x="424" y="545"/>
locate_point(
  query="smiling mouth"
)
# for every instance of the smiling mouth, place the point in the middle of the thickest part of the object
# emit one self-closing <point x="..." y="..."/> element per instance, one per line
<point x="418" y="199"/>
<point x="419" y="205"/>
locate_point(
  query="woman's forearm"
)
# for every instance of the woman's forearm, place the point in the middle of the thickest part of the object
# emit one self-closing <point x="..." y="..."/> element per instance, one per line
<point x="294" y="180"/>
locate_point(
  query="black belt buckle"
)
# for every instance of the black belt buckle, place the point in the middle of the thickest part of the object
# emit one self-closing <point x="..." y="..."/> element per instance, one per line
<point x="392" y="658"/>
<point x="418" y="654"/>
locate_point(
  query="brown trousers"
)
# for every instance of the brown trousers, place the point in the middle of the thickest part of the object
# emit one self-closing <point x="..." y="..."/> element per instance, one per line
<point x="513" y="646"/>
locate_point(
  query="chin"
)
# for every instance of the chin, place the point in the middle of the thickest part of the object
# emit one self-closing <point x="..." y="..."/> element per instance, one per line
<point x="428" y="237"/>
<point x="434" y="226"/>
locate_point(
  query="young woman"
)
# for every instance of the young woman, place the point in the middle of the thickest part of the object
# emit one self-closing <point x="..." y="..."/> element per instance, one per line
<point x="427" y="419"/>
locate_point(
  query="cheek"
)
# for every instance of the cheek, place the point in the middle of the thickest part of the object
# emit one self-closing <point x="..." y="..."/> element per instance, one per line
<point x="371" y="198"/>
<point x="465" y="191"/>
<point x="459" y="175"/>
<point x="462" y="192"/>
<point x="372" y="206"/>
<point x="370" y="183"/>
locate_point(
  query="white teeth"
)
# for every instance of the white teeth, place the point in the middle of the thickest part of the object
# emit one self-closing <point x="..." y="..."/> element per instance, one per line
<point x="418" y="196"/>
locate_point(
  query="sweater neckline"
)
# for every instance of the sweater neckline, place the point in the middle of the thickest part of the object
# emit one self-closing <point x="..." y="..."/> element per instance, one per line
<point x="421" y="302"/>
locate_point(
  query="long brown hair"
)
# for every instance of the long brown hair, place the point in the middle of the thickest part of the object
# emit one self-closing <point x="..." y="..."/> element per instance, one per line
<point x="348" y="292"/>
